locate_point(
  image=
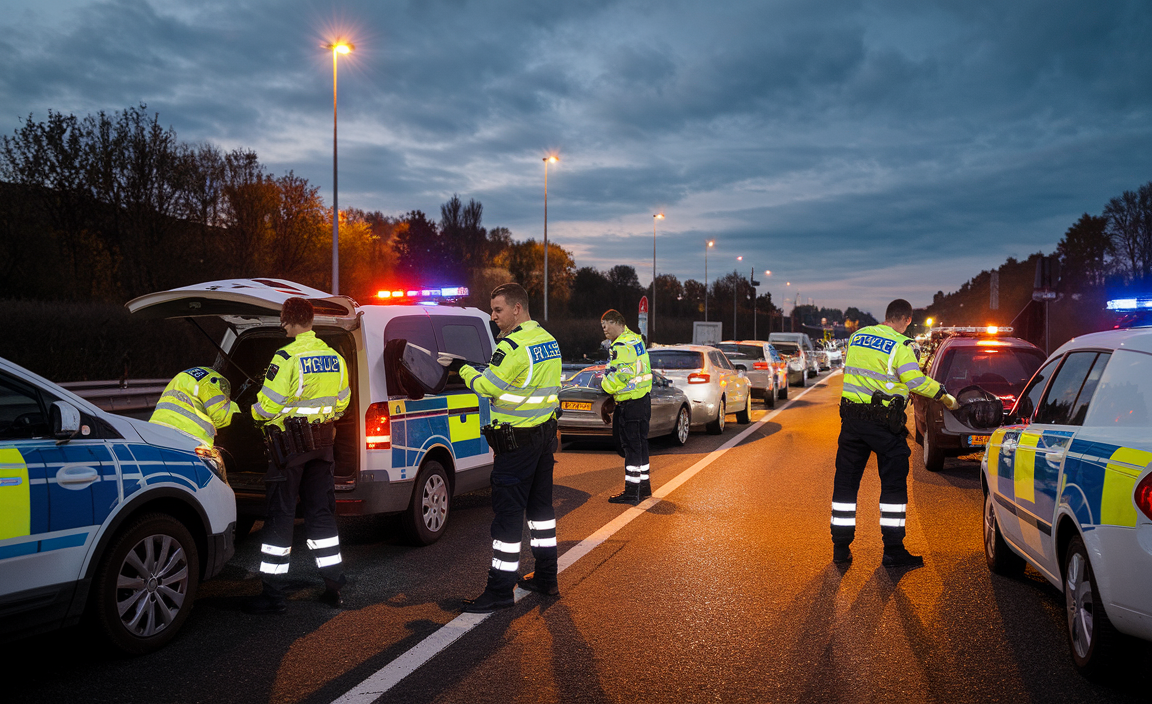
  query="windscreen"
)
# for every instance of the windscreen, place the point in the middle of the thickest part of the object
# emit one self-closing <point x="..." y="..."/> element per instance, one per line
<point x="675" y="359"/>
<point x="999" y="370"/>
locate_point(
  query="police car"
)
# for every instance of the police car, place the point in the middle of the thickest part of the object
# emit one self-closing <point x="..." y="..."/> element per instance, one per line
<point x="1068" y="488"/>
<point x="397" y="450"/>
<point x="102" y="515"/>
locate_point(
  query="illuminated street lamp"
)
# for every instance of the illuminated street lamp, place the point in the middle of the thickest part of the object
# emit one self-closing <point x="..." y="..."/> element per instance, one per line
<point x="547" y="160"/>
<point x="652" y="305"/>
<point x="708" y="246"/>
<point x="337" y="48"/>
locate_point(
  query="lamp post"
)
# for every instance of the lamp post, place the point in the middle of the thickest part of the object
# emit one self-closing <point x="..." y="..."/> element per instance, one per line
<point x="707" y="246"/>
<point x="652" y="305"/>
<point x="338" y="47"/>
<point x="756" y="304"/>
<point x="547" y="160"/>
<point x="735" y="293"/>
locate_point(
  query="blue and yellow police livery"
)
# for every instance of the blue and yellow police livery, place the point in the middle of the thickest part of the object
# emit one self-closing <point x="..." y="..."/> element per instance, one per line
<point x="1068" y="487"/>
<point x="80" y="492"/>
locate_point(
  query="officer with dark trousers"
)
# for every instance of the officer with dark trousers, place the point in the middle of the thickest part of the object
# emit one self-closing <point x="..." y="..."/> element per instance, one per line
<point x="880" y="368"/>
<point x="629" y="379"/>
<point x="305" y="390"/>
<point x="522" y="382"/>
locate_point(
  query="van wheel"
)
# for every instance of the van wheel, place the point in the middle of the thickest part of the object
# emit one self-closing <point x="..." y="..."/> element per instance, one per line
<point x="999" y="556"/>
<point x="717" y="426"/>
<point x="145" y="586"/>
<point x="1091" y="636"/>
<point x="427" y="514"/>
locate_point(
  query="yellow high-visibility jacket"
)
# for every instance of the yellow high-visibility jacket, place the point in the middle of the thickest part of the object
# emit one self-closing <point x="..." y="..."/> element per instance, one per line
<point x="523" y="378"/>
<point x="196" y="401"/>
<point x="629" y="373"/>
<point x="880" y="359"/>
<point x="308" y="379"/>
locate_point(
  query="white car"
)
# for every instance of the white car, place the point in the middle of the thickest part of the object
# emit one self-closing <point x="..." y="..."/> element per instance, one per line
<point x="102" y="516"/>
<point x="1068" y="489"/>
<point x="397" y="450"/>
<point x="766" y="370"/>
<point x="713" y="386"/>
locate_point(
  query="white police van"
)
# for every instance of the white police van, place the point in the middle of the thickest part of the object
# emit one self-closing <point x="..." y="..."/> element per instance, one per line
<point x="397" y="451"/>
<point x="104" y="515"/>
<point x="1068" y="489"/>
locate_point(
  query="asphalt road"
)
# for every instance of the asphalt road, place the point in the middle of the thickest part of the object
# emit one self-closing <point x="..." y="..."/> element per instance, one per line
<point x="722" y="591"/>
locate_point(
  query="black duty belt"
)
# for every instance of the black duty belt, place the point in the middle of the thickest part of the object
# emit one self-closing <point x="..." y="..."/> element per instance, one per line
<point x="503" y="437"/>
<point x="891" y="416"/>
<point x="299" y="436"/>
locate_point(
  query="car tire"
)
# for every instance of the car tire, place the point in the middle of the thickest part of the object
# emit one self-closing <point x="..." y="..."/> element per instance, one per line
<point x="804" y="379"/>
<point x="1094" y="641"/>
<point x="783" y="393"/>
<point x="427" y="516"/>
<point x="770" y="397"/>
<point x="919" y="435"/>
<point x="933" y="454"/>
<point x="717" y="426"/>
<point x="679" y="433"/>
<point x="146" y="583"/>
<point x="1000" y="558"/>
<point x="744" y="417"/>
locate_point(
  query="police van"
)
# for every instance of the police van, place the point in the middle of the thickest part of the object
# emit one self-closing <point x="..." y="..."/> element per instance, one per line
<point x="398" y="451"/>
<point x="1068" y="489"/>
<point x="102" y="515"/>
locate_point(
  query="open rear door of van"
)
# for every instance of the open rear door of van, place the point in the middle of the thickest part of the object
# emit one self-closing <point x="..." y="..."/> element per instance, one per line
<point x="240" y="301"/>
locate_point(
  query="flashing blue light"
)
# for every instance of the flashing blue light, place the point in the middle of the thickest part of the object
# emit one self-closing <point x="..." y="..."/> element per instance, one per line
<point x="1128" y="305"/>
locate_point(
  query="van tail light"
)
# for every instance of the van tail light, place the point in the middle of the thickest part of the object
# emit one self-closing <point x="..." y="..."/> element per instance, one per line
<point x="1143" y="496"/>
<point x="377" y="427"/>
<point x="699" y="378"/>
<point x="760" y="365"/>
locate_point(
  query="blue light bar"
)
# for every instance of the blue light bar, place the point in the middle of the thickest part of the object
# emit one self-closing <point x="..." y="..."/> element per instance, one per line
<point x="1129" y="305"/>
<point x="429" y="296"/>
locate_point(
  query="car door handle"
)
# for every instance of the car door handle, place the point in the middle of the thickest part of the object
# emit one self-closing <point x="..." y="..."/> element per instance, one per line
<point x="1055" y="458"/>
<point x="76" y="476"/>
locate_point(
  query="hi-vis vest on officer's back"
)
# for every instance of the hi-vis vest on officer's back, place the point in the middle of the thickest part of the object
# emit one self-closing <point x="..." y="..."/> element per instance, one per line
<point x="307" y="379"/>
<point x="523" y="379"/>
<point x="880" y="359"/>
<point x="196" y="401"/>
<point x="629" y="373"/>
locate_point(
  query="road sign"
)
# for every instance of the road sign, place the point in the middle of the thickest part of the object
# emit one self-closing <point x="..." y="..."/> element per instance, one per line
<point x="643" y="318"/>
<point x="1044" y="295"/>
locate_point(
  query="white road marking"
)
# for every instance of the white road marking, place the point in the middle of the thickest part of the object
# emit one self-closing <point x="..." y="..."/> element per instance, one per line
<point x="390" y="675"/>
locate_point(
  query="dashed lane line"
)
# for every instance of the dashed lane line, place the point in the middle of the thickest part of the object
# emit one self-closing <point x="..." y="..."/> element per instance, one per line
<point x="387" y="677"/>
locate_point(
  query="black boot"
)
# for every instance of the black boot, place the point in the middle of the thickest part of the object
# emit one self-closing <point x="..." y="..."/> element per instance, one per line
<point x="331" y="595"/>
<point x="530" y="583"/>
<point x="630" y="495"/>
<point x="645" y="488"/>
<point x="841" y="553"/>
<point x="487" y="602"/>
<point x="264" y="604"/>
<point x="898" y="556"/>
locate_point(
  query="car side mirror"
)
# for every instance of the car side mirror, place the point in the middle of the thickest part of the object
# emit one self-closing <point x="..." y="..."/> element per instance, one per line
<point x="65" y="420"/>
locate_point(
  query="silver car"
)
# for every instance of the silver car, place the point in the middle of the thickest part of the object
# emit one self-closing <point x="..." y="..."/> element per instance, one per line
<point x="767" y="372"/>
<point x="799" y="365"/>
<point x="713" y="386"/>
<point x="586" y="409"/>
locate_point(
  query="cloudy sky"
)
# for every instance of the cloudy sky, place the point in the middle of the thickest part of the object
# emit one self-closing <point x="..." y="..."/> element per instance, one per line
<point x="860" y="150"/>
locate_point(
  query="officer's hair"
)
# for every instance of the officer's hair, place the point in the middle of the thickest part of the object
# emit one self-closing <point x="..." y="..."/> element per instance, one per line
<point x="297" y="311"/>
<point x="898" y="309"/>
<point x="513" y="293"/>
<point x="614" y="316"/>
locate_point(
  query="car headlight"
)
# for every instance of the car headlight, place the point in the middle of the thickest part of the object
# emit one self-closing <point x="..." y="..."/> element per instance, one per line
<point x="212" y="458"/>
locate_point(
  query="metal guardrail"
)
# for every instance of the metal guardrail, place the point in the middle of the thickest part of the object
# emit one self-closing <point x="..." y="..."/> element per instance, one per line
<point x="132" y="396"/>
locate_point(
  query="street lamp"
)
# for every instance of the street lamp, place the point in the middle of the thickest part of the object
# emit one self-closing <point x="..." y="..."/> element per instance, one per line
<point x="708" y="246"/>
<point x="652" y="305"/>
<point x="756" y="304"/>
<point x="337" y="48"/>
<point x="547" y="160"/>
<point x="735" y="291"/>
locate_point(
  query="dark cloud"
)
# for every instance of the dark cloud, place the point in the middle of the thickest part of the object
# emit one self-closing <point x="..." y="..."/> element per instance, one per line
<point x="861" y="149"/>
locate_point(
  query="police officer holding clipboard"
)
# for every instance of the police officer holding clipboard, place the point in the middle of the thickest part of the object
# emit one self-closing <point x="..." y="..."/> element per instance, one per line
<point x="522" y="383"/>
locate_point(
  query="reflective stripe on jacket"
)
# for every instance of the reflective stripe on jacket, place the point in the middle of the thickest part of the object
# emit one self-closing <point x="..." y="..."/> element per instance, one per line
<point x="523" y="379"/>
<point x="196" y="401"/>
<point x="629" y="373"/>
<point x="878" y="358"/>
<point x="306" y="378"/>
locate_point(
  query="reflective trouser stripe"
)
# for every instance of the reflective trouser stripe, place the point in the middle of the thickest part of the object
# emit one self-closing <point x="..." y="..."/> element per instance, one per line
<point x="274" y="550"/>
<point x="632" y="474"/>
<point x="505" y="566"/>
<point x="892" y="522"/>
<point x="844" y="507"/>
<point x="505" y="556"/>
<point x="543" y="542"/>
<point x="543" y="533"/>
<point x="270" y="568"/>
<point x="838" y="521"/>
<point x="542" y="525"/>
<point x="843" y="514"/>
<point x="325" y="561"/>
<point x="643" y="472"/>
<point x="892" y="515"/>
<point x="324" y="543"/>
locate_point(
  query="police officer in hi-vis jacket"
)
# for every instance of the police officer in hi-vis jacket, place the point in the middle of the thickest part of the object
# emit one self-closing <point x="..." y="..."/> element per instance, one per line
<point x="629" y="379"/>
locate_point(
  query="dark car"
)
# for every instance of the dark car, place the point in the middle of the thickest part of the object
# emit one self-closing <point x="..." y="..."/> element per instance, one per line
<point x="1000" y="366"/>
<point x="586" y="410"/>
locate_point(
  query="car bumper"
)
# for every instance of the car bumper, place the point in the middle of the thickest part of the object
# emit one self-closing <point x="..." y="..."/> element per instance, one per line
<point x="1122" y="563"/>
<point x="219" y="550"/>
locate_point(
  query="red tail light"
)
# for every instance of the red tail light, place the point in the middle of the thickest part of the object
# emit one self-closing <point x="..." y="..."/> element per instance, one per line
<point x="699" y="378"/>
<point x="1143" y="496"/>
<point x="760" y="365"/>
<point x="377" y="427"/>
<point x="1008" y="401"/>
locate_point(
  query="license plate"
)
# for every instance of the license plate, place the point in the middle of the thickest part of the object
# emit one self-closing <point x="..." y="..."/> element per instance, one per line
<point x="576" y="405"/>
<point x="977" y="440"/>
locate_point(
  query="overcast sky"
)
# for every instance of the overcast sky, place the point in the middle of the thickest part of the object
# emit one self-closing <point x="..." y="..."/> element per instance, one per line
<point x="860" y="150"/>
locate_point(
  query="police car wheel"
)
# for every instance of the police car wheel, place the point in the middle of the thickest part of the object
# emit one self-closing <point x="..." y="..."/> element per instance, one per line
<point x="146" y="584"/>
<point x="1000" y="558"/>
<point x="1091" y="636"/>
<point x="717" y="426"/>
<point x="427" y="515"/>
<point x="683" y="426"/>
